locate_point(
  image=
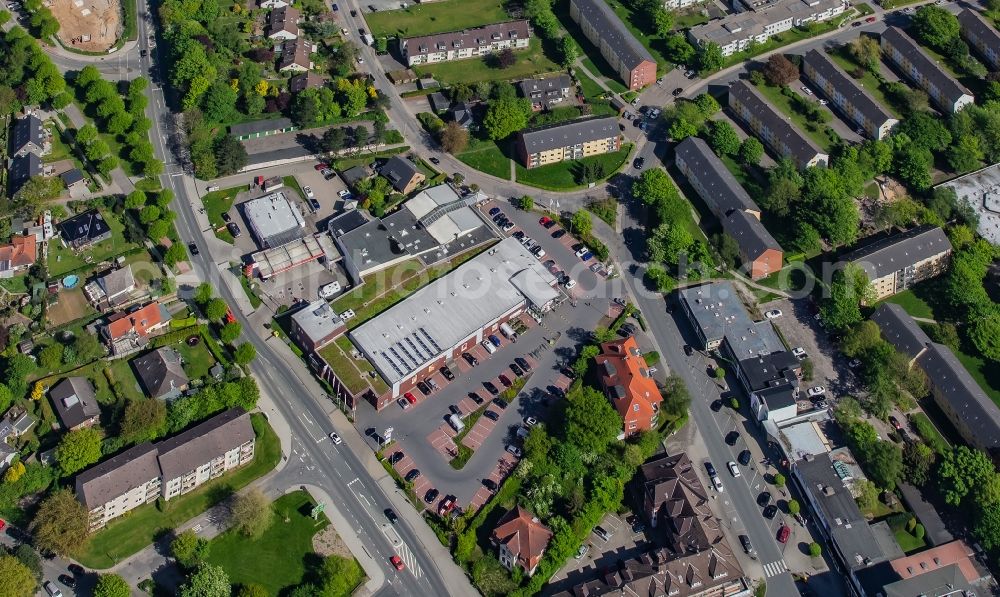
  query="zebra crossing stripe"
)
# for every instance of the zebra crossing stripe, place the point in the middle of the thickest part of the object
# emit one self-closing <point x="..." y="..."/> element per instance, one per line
<point x="775" y="568"/>
<point x="411" y="561"/>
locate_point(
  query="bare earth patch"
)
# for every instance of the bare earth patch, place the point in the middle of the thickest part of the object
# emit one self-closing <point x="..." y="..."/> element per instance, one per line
<point x="328" y="543"/>
<point x="89" y="25"/>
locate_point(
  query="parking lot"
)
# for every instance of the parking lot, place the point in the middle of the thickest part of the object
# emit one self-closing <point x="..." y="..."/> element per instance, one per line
<point x="622" y="543"/>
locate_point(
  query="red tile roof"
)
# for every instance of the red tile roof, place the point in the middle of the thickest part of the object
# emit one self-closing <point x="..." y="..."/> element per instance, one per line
<point x="22" y="251"/>
<point x="523" y="535"/>
<point x="141" y="320"/>
<point x="627" y="381"/>
<point x="955" y="552"/>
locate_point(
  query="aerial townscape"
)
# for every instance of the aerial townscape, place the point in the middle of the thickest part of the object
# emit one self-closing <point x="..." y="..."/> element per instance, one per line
<point x="571" y="298"/>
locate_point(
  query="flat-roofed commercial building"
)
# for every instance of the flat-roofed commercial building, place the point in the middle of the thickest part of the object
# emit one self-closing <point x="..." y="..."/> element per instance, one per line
<point x="626" y="55"/>
<point x="905" y="54"/>
<point x="271" y="262"/>
<point x="567" y="141"/>
<point x="898" y="262"/>
<point x="981" y="36"/>
<point x="450" y="315"/>
<point x="469" y="43"/>
<point x="847" y="95"/>
<point x="274" y="220"/>
<point x="773" y="129"/>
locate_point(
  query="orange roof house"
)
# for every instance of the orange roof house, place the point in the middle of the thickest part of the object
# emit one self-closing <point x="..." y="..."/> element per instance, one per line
<point x="128" y="332"/>
<point x="954" y="552"/>
<point x="521" y="539"/>
<point x="629" y="385"/>
<point x="19" y="254"/>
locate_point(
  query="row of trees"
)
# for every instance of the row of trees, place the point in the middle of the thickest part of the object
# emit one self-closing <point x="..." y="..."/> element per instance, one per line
<point x="546" y="26"/>
<point x="940" y="30"/>
<point x="348" y="98"/>
<point x="154" y="214"/>
<point x="43" y="23"/>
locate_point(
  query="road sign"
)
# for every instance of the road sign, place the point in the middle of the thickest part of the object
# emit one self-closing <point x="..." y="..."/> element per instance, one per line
<point x="388" y="434"/>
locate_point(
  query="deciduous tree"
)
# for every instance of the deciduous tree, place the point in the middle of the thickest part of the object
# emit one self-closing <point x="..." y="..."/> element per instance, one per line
<point x="251" y="513"/>
<point x="780" y="71"/>
<point x="454" y="138"/>
<point x="61" y="524"/>
<point x="112" y="585"/>
<point x="16" y="580"/>
<point x="208" y="580"/>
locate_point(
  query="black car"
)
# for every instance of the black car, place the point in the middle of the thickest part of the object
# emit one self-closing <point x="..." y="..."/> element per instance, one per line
<point x="470" y="359"/>
<point x="67" y="580"/>
<point x="556" y="391"/>
<point x="500" y="402"/>
<point x="455" y="410"/>
<point x="688" y="350"/>
<point x="629" y="329"/>
<point x="424" y="388"/>
<point x="233" y="229"/>
<point x="677" y="91"/>
<point x="638" y="163"/>
<point x="446" y="372"/>
<point x="523" y="363"/>
<point x="431" y="495"/>
<point x="225" y="216"/>
<point x="492" y="389"/>
<point x="764" y="499"/>
<point x="577" y="247"/>
<point x="710" y="469"/>
<point x="518" y="234"/>
<point x="143" y="53"/>
<point x="314" y="203"/>
<point x="334" y="7"/>
<point x="517" y="370"/>
<point x="490" y="484"/>
<point x="390" y="515"/>
<point x="354" y="13"/>
<point x="372" y="8"/>
<point x="435" y="161"/>
<point x="77" y="570"/>
<point x="770" y="511"/>
<point x="396" y="457"/>
<point x="559" y="233"/>
<point x="745" y="542"/>
<point x="568" y="372"/>
<point x="476" y="398"/>
<point x="744" y="457"/>
<point x="491" y="415"/>
<point x="412" y="475"/>
<point x="716" y="405"/>
<point x="732" y="437"/>
<point x="193" y="248"/>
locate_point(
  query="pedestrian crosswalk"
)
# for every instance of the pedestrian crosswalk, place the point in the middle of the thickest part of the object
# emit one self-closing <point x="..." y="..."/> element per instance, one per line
<point x="775" y="568"/>
<point x="410" y="560"/>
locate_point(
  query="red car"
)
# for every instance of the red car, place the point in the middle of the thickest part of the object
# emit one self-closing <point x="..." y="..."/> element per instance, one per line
<point x="397" y="562"/>
<point x="410" y="397"/>
<point x="321" y="166"/>
<point x="895" y="423"/>
<point x="783" y="533"/>
<point x="870" y="20"/>
<point x="545" y="220"/>
<point x="446" y="506"/>
<point x="505" y="381"/>
<point x="230" y="318"/>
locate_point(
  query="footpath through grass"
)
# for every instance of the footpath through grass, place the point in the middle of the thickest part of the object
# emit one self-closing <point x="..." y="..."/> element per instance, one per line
<point x="281" y="558"/>
<point x="137" y="529"/>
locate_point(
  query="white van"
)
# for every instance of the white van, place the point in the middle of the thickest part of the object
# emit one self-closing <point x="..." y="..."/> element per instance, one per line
<point x="456" y="423"/>
<point x="489" y="346"/>
<point x="507" y="331"/>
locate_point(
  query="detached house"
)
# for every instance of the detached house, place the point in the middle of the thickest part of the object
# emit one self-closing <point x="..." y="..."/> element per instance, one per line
<point x="111" y="289"/>
<point x="85" y="229"/>
<point x="295" y="56"/>
<point x="546" y="93"/>
<point x="402" y="174"/>
<point x="22" y="169"/>
<point x="75" y="403"/>
<point x="126" y="333"/>
<point x="18" y="255"/>
<point x="629" y="385"/>
<point x="283" y="23"/>
<point x="161" y="374"/>
<point x="520" y="539"/>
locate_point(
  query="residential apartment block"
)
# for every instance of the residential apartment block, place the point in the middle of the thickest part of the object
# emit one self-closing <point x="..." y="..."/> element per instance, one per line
<point x="847" y="95"/>
<point x="469" y="43"/>
<point x="626" y="55"/>
<point x="760" y="254"/>
<point x="774" y="129"/>
<point x="166" y="469"/>
<point x="895" y="263"/>
<point x="905" y="54"/>
<point x="758" y="21"/>
<point x="981" y="36"/>
<point x="567" y="141"/>
<point x="629" y="385"/>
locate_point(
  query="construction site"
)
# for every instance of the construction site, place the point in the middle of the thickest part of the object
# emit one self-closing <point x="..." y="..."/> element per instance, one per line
<point x="88" y="25"/>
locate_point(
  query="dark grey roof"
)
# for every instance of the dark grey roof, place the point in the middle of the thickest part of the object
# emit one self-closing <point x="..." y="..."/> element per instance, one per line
<point x="749" y="234"/>
<point x="74" y="401"/>
<point x="563" y="134"/>
<point x="259" y="126"/>
<point x="613" y="32"/>
<point x="399" y="171"/>
<point x="22" y="168"/>
<point x="160" y="372"/>
<point x="847" y="86"/>
<point x="544" y="84"/>
<point x="309" y="80"/>
<point x="468" y="38"/>
<point x="934" y="72"/>
<point x="284" y="18"/>
<point x="84" y="227"/>
<point x="71" y="177"/>
<point x="973" y="25"/>
<point x="802" y="147"/>
<point x="346" y="222"/>
<point x="117" y="475"/>
<point x="770" y="370"/>
<point x="901" y="250"/>
<point x="187" y="451"/>
<point x="940" y="582"/>
<point x="900" y="330"/>
<point x="723" y="192"/>
<point x="972" y="407"/>
<point x="848" y="527"/>
<point x="356" y="174"/>
<point x="26" y="131"/>
<point x="438" y="101"/>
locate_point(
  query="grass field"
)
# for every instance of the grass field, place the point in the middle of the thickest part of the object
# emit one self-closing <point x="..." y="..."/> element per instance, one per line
<point x="490" y="160"/>
<point x="121" y="372"/>
<point x="198" y="359"/>
<point x="530" y="62"/>
<point x="602" y="69"/>
<point x="912" y="304"/>
<point x="907" y="542"/>
<point x="436" y="17"/>
<point x="217" y="203"/>
<point x="784" y="105"/>
<point x="126" y="536"/>
<point x="562" y="176"/>
<point x="591" y="90"/>
<point x="283" y="551"/>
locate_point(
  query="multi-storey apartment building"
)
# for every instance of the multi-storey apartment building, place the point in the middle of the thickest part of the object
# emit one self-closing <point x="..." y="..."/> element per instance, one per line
<point x="166" y="469"/>
<point x="846" y="95"/>
<point x="469" y="43"/>
<point x="981" y="36"/>
<point x="898" y="262"/>
<point x="758" y="21"/>
<point x="567" y="141"/>
<point x="626" y="55"/>
<point x="760" y="254"/>
<point x="774" y="130"/>
<point x="905" y="54"/>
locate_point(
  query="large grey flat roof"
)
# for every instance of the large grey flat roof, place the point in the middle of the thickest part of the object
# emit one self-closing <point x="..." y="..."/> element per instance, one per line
<point x="934" y="72"/>
<point x="720" y="313"/>
<point x="614" y="33"/>
<point x="317" y="320"/>
<point x="274" y="219"/>
<point x="901" y="250"/>
<point x="564" y="134"/>
<point x="802" y="147"/>
<point x="847" y="86"/>
<point x="406" y="337"/>
<point x="980" y="190"/>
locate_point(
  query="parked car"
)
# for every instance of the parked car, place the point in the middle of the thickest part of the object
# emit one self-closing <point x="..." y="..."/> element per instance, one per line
<point x="314" y="203"/>
<point x="747" y="546"/>
<point x="638" y="163"/>
<point x="490" y="484"/>
<point x="435" y="161"/>
<point x="424" y="388"/>
<point x="412" y="475"/>
<point x="516" y="370"/>
<point x="500" y="402"/>
<point x="603" y="534"/>
<point x="544" y="221"/>
<point x="410" y="397"/>
<point x="770" y="512"/>
<point x="764" y="499"/>
<point x="523" y="363"/>
<point x="391" y="515"/>
<point x="784" y="533"/>
<point x="494" y="211"/>
<point x="470" y="359"/>
<point x="559" y="233"/>
<point x="530" y="421"/>
<point x="745" y="457"/>
<point x="895" y="423"/>
<point x="505" y="381"/>
<point x="799" y="352"/>
<point x="773" y="314"/>
<point x="491" y="415"/>
<point x="67" y="580"/>
<point x="732" y="437"/>
<point x="234" y="230"/>
<point x="514" y="450"/>
<point x="193" y="248"/>
<point x="586" y="256"/>
<point x="688" y="350"/>
<point x="815" y="391"/>
<point x="52" y="589"/>
<point x="403" y="403"/>
<point x="495" y="340"/>
<point x="396" y="457"/>
<point x="733" y="469"/>
<point x="492" y="389"/>
<point x="446" y="372"/>
<point x="433" y="385"/>
<point x="870" y="20"/>
<point x="717" y="482"/>
<point x="455" y="410"/>
<point x="580" y="553"/>
<point x="308" y="192"/>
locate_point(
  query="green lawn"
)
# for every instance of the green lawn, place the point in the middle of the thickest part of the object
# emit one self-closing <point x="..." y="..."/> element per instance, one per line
<point x="784" y="104"/>
<point x="133" y="532"/>
<point x="283" y="551"/>
<point x="530" y="62"/>
<point x="690" y="18"/>
<point x="198" y="359"/>
<point x="868" y="81"/>
<point x="217" y="203"/>
<point x="928" y="432"/>
<point x="562" y="176"/>
<point x="907" y="542"/>
<point x="126" y="384"/>
<point x="591" y="90"/>
<point x="60" y="151"/>
<point x="63" y="260"/>
<point x="603" y="69"/>
<point x="490" y="159"/>
<point x="788" y="37"/>
<point x="912" y="304"/>
<point x="436" y="17"/>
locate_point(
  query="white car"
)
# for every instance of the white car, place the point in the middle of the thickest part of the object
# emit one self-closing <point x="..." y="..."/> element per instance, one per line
<point x="570" y="283"/>
<point x="799" y="352"/>
<point x="361" y="60"/>
<point x="329" y="290"/>
<point x="583" y="251"/>
<point x="527" y="242"/>
<point x="823" y="102"/>
<point x="514" y="450"/>
<point x="530" y="421"/>
<point x="806" y="90"/>
<point x="717" y="482"/>
<point x="309" y="192"/>
<point x="773" y="314"/>
<point x="538" y="252"/>
<point x="733" y="469"/>
<point x="815" y="391"/>
<point x="343" y="193"/>
<point x="336" y="439"/>
<point x="344" y="31"/>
